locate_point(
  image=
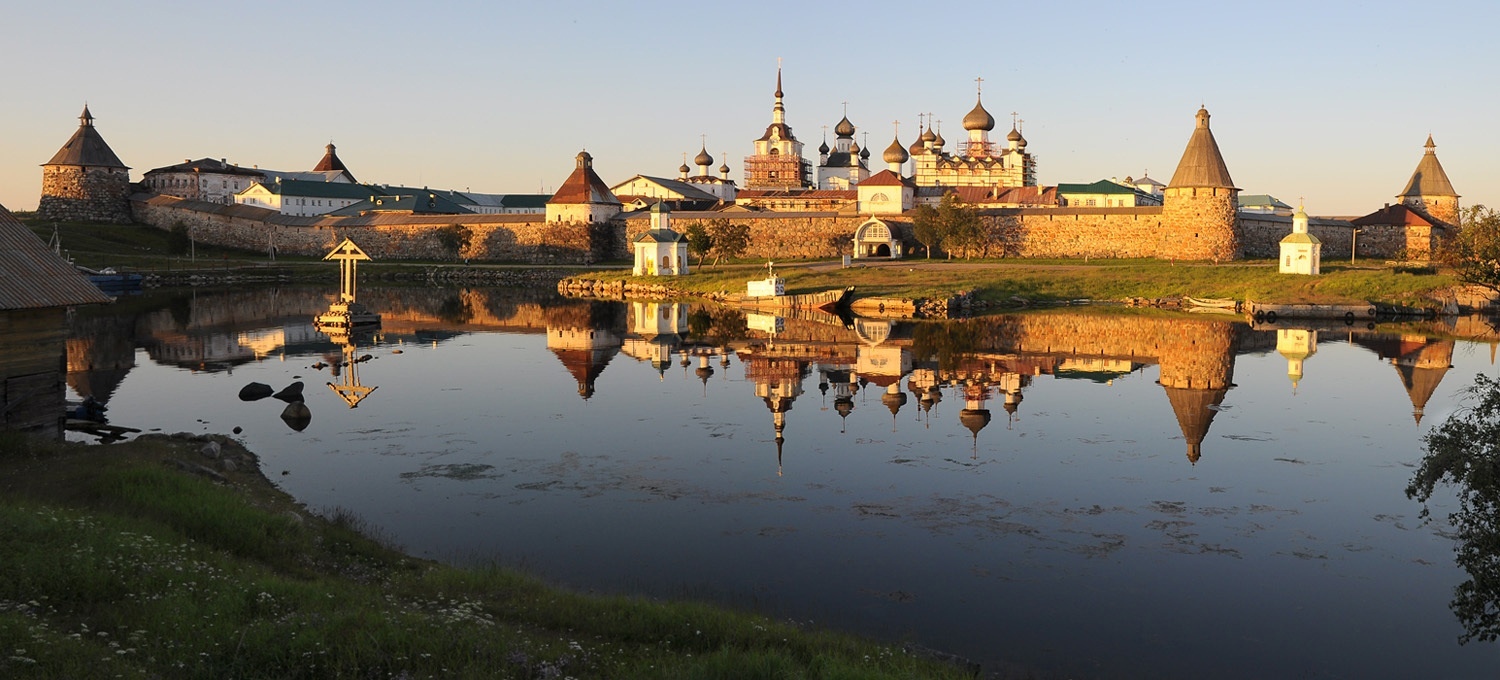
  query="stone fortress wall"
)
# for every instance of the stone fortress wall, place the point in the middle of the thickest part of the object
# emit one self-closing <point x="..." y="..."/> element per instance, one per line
<point x="502" y="238"/>
<point x="1144" y="232"/>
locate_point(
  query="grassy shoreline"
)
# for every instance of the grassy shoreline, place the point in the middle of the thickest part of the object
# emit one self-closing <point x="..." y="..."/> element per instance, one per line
<point x="130" y="560"/>
<point x="999" y="281"/>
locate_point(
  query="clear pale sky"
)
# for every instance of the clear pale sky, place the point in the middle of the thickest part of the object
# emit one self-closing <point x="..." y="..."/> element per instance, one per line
<point x="1330" y="101"/>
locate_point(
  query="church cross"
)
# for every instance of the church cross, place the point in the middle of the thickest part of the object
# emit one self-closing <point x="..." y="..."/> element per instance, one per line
<point x="978" y="85"/>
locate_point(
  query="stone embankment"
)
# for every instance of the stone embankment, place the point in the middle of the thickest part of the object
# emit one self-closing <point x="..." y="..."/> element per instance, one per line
<point x="625" y="290"/>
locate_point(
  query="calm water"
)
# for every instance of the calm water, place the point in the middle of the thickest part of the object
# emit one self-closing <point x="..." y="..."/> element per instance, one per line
<point x="1096" y="495"/>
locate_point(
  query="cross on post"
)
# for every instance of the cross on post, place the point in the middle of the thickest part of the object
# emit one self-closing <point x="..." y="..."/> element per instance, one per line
<point x="347" y="254"/>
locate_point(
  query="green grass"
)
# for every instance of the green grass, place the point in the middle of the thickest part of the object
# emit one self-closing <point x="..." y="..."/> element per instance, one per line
<point x="1001" y="280"/>
<point x="113" y="563"/>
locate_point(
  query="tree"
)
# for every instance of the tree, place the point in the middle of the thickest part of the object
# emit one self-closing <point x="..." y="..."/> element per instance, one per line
<point x="961" y="227"/>
<point x="1465" y="452"/>
<point x="729" y="240"/>
<point x="1475" y="253"/>
<point x="454" y="238"/>
<point x="700" y="242"/>
<point x="927" y="227"/>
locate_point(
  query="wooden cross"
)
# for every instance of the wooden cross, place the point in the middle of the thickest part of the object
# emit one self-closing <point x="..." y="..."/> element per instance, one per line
<point x="347" y="253"/>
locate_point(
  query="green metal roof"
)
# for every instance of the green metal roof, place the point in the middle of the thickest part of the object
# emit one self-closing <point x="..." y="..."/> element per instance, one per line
<point x="1102" y="186"/>
<point x="295" y="187"/>
<point x="1301" y="238"/>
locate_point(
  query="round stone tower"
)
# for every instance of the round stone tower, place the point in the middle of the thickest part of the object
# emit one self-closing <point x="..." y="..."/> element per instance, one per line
<point x="1199" y="204"/>
<point x="1429" y="190"/>
<point x="85" y="181"/>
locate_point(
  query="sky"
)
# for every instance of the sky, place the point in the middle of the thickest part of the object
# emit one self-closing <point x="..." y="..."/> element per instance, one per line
<point x="1327" y="102"/>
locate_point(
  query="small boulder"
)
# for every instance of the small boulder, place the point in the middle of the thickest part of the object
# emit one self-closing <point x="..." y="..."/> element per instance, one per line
<point x="297" y="416"/>
<point x="291" y="394"/>
<point x="255" y="391"/>
<point x="228" y="465"/>
<point x="210" y="449"/>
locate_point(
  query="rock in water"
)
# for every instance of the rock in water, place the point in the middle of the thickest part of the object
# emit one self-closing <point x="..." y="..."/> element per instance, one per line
<point x="292" y="393"/>
<point x="297" y="416"/>
<point x="255" y="391"/>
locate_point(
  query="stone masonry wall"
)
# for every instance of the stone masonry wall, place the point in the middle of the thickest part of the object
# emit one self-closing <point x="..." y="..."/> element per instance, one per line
<point x="72" y="193"/>
<point x="772" y="235"/>
<point x="1261" y="237"/>
<point x="492" y="237"/>
<point x="1075" y="232"/>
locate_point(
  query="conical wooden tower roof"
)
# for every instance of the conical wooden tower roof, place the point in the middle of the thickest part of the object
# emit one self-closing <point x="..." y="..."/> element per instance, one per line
<point x="1429" y="178"/>
<point x="1194" y="414"/>
<point x="1202" y="165"/>
<point x="86" y="147"/>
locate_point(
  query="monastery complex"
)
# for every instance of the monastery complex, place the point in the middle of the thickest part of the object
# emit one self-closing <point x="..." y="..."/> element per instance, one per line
<point x="796" y="206"/>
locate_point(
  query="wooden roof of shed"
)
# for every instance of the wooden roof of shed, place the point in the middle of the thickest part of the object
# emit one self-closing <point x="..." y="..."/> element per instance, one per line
<point x="32" y="276"/>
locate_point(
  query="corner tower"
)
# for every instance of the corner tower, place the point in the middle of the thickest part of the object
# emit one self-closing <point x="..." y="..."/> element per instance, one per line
<point x="1198" y="205"/>
<point x="85" y="180"/>
<point x="1429" y="190"/>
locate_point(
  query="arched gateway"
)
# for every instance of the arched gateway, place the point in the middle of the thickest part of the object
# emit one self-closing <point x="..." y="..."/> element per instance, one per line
<point x="876" y="239"/>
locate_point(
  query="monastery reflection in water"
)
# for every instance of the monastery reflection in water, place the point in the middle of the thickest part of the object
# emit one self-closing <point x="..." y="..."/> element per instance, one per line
<point x="915" y="366"/>
<point x="978" y="361"/>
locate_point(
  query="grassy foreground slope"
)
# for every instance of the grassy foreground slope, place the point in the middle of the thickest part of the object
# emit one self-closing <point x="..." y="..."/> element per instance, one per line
<point x="115" y="562"/>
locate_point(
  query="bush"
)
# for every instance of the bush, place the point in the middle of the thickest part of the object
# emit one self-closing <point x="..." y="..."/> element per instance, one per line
<point x="179" y="242"/>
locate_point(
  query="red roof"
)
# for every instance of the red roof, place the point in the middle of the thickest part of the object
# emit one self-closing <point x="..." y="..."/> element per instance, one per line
<point x="583" y="186"/>
<point x="884" y="178"/>
<point x="1394" y="214"/>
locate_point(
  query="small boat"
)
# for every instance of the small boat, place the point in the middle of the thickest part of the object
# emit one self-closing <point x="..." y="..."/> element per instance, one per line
<point x="113" y="282"/>
<point x="828" y="299"/>
<point x="1212" y="303"/>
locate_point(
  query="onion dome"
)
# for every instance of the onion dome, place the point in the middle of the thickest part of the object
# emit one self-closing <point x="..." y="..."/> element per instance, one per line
<point x="703" y="158"/>
<point x="938" y="141"/>
<point x="928" y="136"/>
<point x="1015" y="135"/>
<point x="979" y="119"/>
<point x="724" y="167"/>
<point x="844" y="128"/>
<point x="854" y="148"/>
<point x="823" y="148"/>
<point x="895" y="153"/>
<point x="684" y="169"/>
<point x="917" y="149"/>
<point x="864" y="154"/>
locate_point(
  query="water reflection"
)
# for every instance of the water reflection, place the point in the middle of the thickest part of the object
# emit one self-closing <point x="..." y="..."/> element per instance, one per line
<point x="1074" y="508"/>
<point x="1465" y="452"/>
